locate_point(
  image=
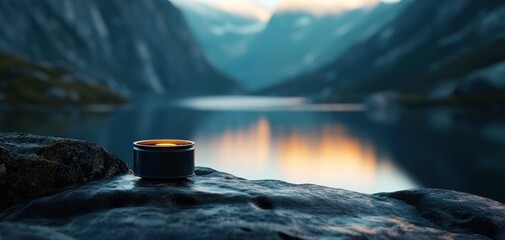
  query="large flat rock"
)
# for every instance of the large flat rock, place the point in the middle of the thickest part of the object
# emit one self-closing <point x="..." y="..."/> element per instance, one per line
<point x="214" y="205"/>
<point x="32" y="166"/>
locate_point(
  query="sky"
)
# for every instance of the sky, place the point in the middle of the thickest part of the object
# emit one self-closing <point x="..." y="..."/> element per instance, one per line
<point x="263" y="9"/>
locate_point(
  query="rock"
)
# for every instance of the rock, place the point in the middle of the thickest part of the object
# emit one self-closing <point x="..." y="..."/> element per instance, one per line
<point x="215" y="205"/>
<point x="32" y="166"/>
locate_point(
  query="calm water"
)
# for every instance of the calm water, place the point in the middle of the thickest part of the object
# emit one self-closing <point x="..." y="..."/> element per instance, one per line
<point x="335" y="145"/>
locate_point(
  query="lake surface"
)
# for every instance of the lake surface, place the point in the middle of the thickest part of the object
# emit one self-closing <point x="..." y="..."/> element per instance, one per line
<point x="290" y="139"/>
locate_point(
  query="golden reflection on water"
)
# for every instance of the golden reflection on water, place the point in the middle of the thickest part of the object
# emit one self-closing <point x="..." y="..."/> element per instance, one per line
<point x="249" y="147"/>
<point x="327" y="156"/>
<point x="333" y="156"/>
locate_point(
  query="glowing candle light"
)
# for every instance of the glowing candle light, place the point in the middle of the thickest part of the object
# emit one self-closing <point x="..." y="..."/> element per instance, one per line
<point x="165" y="144"/>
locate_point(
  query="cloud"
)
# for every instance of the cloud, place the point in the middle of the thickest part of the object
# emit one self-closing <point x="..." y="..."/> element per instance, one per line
<point x="321" y="7"/>
<point x="248" y="8"/>
<point x="263" y="9"/>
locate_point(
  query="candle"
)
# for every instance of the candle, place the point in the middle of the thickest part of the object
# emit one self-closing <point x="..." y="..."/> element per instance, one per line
<point x="163" y="159"/>
<point x="165" y="144"/>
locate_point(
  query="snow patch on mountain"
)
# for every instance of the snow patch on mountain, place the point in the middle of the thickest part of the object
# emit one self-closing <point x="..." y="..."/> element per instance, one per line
<point x="494" y="75"/>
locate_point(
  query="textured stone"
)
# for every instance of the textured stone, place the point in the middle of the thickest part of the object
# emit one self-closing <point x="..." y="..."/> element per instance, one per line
<point x="214" y="205"/>
<point x="31" y="166"/>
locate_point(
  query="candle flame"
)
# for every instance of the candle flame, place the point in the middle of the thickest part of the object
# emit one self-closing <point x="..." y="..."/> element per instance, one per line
<point x="165" y="144"/>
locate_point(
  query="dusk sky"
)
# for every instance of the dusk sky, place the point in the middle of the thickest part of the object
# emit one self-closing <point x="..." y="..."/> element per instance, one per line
<point x="262" y="9"/>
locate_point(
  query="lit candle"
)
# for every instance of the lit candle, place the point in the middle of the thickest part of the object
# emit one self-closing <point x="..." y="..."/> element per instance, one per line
<point x="164" y="158"/>
<point x="165" y="144"/>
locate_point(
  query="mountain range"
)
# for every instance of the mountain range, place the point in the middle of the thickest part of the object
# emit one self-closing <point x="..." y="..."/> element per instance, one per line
<point x="134" y="46"/>
<point x="436" y="51"/>
<point x="292" y="42"/>
<point x="416" y="50"/>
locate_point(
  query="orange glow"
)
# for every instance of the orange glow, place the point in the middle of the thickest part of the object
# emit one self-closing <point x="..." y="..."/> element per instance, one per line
<point x="165" y="144"/>
<point x="322" y="7"/>
<point x="263" y="12"/>
<point x="241" y="148"/>
<point x="245" y="8"/>
<point x="328" y="155"/>
<point x="333" y="158"/>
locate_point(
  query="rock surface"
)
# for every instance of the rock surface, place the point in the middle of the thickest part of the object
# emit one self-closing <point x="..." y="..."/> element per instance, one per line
<point x="214" y="205"/>
<point x="32" y="166"/>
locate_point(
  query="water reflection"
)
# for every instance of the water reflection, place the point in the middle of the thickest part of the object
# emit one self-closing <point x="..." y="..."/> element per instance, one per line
<point x="335" y="158"/>
<point x="263" y="104"/>
<point x="251" y="147"/>
<point x="325" y="154"/>
<point x="300" y="142"/>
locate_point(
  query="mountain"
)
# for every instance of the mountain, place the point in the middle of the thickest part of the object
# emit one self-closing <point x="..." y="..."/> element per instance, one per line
<point x="456" y="54"/>
<point x="131" y="46"/>
<point x="224" y="36"/>
<point x="295" y="42"/>
<point x="291" y="43"/>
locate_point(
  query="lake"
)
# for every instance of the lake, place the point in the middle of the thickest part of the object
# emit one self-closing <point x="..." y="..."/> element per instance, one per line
<point x="337" y="145"/>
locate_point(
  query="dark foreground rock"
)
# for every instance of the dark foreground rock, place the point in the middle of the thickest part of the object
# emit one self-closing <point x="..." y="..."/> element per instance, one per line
<point x="215" y="205"/>
<point x="31" y="166"/>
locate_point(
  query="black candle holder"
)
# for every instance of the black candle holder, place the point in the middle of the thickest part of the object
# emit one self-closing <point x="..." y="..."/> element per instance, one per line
<point x="164" y="158"/>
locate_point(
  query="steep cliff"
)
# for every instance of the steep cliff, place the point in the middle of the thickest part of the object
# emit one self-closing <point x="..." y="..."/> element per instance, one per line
<point x="131" y="46"/>
<point x="435" y="50"/>
<point x="297" y="42"/>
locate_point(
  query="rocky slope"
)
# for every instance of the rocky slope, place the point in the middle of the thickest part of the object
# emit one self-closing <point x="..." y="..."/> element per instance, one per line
<point x="439" y="58"/>
<point x="32" y="166"/>
<point x="25" y="83"/>
<point x="224" y="36"/>
<point x="135" y="46"/>
<point x="215" y="205"/>
<point x="296" y="42"/>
